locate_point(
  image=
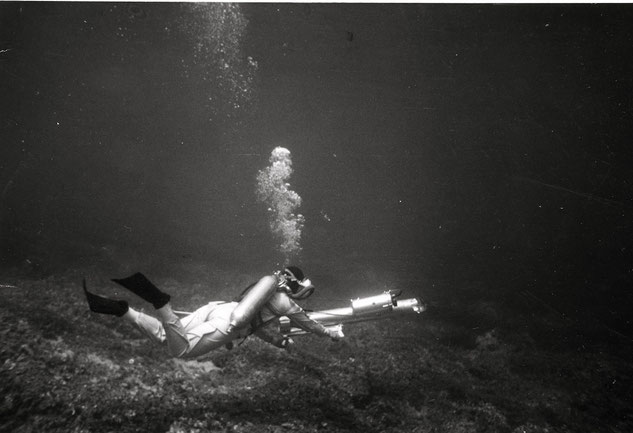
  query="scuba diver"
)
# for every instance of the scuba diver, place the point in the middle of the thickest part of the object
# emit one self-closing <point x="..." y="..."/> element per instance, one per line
<point x="218" y="323"/>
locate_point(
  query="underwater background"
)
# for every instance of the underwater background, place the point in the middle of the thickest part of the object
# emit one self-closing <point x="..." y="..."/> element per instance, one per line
<point x="476" y="156"/>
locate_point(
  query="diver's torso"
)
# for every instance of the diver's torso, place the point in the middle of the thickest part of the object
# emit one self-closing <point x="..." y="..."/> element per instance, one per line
<point x="279" y="305"/>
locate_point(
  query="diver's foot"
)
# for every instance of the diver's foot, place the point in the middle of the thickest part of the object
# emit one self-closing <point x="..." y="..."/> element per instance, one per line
<point x="101" y="305"/>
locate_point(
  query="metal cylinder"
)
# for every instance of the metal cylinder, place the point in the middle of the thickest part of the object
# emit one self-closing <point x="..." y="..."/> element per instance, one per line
<point x="373" y="304"/>
<point x="252" y="302"/>
<point x="362" y="309"/>
<point x="413" y="304"/>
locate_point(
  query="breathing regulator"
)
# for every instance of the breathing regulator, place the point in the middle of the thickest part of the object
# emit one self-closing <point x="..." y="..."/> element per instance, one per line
<point x="292" y="281"/>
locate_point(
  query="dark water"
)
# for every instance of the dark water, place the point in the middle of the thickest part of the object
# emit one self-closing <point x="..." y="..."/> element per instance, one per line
<point x="459" y="151"/>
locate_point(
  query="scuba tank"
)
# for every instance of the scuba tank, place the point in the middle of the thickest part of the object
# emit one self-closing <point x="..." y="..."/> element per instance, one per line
<point x="252" y="301"/>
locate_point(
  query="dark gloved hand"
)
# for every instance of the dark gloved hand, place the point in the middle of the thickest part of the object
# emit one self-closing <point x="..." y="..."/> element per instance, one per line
<point x="287" y="343"/>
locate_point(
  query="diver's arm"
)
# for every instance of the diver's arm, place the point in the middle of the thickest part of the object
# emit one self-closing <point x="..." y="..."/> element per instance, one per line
<point x="267" y="334"/>
<point x="281" y="305"/>
<point x="301" y="320"/>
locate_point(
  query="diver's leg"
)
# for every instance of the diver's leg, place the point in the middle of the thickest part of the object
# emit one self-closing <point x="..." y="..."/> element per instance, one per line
<point x="208" y="341"/>
<point x="180" y="342"/>
<point x="149" y="325"/>
<point x="175" y="333"/>
<point x="193" y="335"/>
<point x="200" y="332"/>
<point x="208" y="331"/>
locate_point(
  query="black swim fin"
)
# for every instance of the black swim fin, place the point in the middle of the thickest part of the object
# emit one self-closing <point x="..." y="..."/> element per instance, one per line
<point x="142" y="287"/>
<point x="99" y="304"/>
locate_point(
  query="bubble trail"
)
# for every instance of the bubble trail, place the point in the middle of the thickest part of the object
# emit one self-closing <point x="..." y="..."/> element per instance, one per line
<point x="216" y="60"/>
<point x="274" y="190"/>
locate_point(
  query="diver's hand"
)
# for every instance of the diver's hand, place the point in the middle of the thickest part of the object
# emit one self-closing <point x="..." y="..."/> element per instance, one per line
<point x="287" y="344"/>
<point x="336" y="332"/>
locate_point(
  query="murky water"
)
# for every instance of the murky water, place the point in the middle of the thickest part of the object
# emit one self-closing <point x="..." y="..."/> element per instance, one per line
<point x="434" y="147"/>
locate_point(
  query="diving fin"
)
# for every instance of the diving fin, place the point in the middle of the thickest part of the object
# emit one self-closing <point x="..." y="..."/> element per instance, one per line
<point x="142" y="287"/>
<point x="99" y="304"/>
